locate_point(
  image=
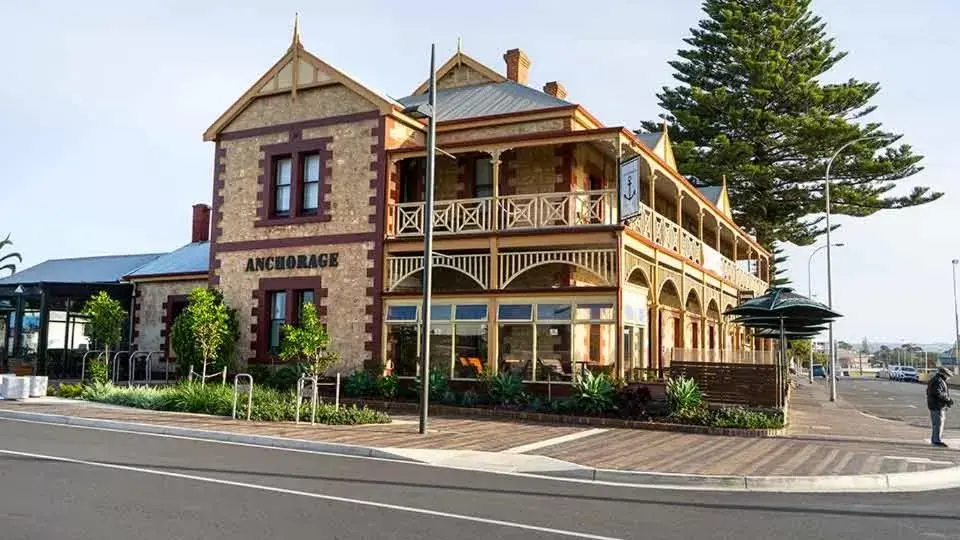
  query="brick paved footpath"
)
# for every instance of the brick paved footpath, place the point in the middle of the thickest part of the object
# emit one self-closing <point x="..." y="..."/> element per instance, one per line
<point x="895" y="448"/>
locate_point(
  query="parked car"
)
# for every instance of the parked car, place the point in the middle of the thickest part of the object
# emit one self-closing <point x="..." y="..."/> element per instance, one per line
<point x="818" y="371"/>
<point x="908" y="374"/>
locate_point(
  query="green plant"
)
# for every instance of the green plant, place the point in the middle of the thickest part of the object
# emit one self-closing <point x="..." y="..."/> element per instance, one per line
<point x="209" y="324"/>
<point x="185" y="346"/>
<point x="388" y="386"/>
<point x="632" y="401"/>
<point x="105" y="318"/>
<point x="285" y="378"/>
<point x="351" y="415"/>
<point x="739" y="417"/>
<point x="261" y="374"/>
<point x="66" y="390"/>
<point x="470" y="399"/>
<point x="9" y="256"/>
<point x="438" y="384"/>
<point x="683" y="395"/>
<point x="505" y="388"/>
<point x="449" y="397"/>
<point x="359" y="384"/>
<point x="97" y="371"/>
<point x="98" y="391"/>
<point x="193" y="397"/>
<point x="308" y="343"/>
<point x="593" y="393"/>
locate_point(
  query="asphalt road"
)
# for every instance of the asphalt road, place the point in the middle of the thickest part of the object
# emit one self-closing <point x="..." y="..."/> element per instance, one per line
<point x="59" y="482"/>
<point x="903" y="401"/>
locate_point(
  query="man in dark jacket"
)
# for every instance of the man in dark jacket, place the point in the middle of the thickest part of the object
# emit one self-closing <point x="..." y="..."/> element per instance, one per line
<point x="938" y="399"/>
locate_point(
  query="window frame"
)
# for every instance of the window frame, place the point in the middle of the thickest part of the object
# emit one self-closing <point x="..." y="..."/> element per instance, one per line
<point x="298" y="151"/>
<point x="260" y="347"/>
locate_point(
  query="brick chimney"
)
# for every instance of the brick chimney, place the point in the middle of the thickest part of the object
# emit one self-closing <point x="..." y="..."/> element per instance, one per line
<point x="555" y="89"/>
<point x="201" y="223"/>
<point x="518" y="66"/>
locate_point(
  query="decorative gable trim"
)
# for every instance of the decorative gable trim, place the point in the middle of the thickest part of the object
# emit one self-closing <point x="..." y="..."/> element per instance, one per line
<point x="459" y="59"/>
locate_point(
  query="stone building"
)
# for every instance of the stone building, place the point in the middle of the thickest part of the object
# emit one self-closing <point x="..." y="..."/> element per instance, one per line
<point x="318" y="194"/>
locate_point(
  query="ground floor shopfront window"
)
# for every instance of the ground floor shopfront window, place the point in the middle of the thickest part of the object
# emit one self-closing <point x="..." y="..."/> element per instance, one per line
<point x="458" y="344"/>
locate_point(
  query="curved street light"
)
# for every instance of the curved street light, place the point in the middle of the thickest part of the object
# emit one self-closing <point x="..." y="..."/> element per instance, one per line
<point x="956" y="317"/>
<point x="810" y="295"/>
<point x="833" y="355"/>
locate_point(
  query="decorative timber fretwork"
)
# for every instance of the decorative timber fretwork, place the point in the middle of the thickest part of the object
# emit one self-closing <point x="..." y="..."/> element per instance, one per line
<point x="600" y="262"/>
<point x="632" y="261"/>
<point x="477" y="267"/>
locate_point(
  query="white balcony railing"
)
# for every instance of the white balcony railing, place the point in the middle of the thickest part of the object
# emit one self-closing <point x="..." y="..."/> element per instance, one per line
<point x="513" y="212"/>
<point x="691" y="248"/>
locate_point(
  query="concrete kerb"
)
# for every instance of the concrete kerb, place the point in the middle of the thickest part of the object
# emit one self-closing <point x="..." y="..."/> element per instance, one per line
<point x="548" y="468"/>
<point x="211" y="435"/>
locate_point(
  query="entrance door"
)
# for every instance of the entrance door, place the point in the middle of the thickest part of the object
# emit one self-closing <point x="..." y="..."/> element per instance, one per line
<point x="634" y="361"/>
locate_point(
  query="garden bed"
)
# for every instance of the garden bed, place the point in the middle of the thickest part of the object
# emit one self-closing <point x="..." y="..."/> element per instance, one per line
<point x="269" y="405"/>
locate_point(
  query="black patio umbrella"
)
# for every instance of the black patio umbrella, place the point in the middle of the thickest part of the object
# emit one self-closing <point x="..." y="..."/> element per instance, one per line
<point x="783" y="302"/>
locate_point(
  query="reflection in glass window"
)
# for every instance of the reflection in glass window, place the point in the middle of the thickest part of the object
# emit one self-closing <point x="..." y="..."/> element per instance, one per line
<point x="553" y="312"/>
<point x="515" y="312"/>
<point x="516" y="349"/>
<point x="471" y="312"/>
<point x="470" y="359"/>
<point x="402" y="349"/>
<point x="595" y="312"/>
<point x="441" y="312"/>
<point x="553" y="352"/>
<point x="402" y="313"/>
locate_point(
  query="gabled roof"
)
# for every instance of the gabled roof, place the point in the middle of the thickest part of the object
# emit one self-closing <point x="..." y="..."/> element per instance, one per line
<point x="190" y="259"/>
<point x="457" y="60"/>
<point x="649" y="140"/>
<point x="490" y="99"/>
<point x="712" y="193"/>
<point x="108" y="269"/>
<point x="298" y="69"/>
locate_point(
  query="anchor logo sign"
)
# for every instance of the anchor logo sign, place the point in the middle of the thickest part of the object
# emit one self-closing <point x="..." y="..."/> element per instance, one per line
<point x="631" y="190"/>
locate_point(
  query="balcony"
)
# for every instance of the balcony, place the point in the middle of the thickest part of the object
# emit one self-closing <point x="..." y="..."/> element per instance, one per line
<point x="508" y="213"/>
<point x="578" y="209"/>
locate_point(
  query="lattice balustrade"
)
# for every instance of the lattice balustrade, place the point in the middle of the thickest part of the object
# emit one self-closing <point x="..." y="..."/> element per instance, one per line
<point x="449" y="217"/>
<point x="643" y="222"/>
<point x="546" y="210"/>
<point x="476" y="267"/>
<point x="666" y="233"/>
<point x="601" y="262"/>
<point x="690" y="247"/>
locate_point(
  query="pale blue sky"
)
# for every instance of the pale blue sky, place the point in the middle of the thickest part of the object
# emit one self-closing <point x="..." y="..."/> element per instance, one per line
<point x="104" y="104"/>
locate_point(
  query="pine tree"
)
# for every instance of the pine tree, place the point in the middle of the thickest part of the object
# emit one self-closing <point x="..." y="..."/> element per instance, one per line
<point x="753" y="104"/>
<point x="780" y="278"/>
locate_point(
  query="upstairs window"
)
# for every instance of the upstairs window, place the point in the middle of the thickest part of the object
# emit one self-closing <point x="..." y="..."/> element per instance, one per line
<point x="483" y="178"/>
<point x="283" y="184"/>
<point x="311" y="184"/>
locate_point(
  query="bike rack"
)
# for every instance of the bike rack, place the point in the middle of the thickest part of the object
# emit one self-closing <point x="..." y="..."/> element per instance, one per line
<point x="83" y="361"/>
<point x="313" y="397"/>
<point x="248" y="388"/>
<point x="132" y="365"/>
<point x="115" y="367"/>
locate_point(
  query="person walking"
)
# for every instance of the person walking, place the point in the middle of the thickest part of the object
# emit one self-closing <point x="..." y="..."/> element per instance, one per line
<point x="938" y="400"/>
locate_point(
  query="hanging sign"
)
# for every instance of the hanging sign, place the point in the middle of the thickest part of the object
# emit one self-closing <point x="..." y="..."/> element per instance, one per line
<point x="629" y="187"/>
<point x="292" y="262"/>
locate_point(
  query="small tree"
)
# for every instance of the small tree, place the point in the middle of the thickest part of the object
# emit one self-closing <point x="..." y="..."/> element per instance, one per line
<point x="105" y="322"/>
<point x="800" y="349"/>
<point x="185" y="346"/>
<point x="308" y="343"/>
<point x="209" y="323"/>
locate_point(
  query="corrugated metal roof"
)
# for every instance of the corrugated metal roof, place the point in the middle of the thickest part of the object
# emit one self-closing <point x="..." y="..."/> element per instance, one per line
<point x="712" y="193"/>
<point x="108" y="269"/>
<point x="649" y="139"/>
<point x="486" y="100"/>
<point x="191" y="258"/>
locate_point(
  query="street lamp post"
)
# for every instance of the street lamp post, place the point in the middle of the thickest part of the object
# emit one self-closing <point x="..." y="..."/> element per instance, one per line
<point x="427" y="111"/>
<point x="956" y="317"/>
<point x="826" y="179"/>
<point x="810" y="295"/>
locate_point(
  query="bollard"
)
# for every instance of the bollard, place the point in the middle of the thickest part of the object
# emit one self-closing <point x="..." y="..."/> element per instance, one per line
<point x="336" y="402"/>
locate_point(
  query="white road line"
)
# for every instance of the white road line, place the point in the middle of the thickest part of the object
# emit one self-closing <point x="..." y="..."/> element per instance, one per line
<point x="927" y="461"/>
<point x="550" y="442"/>
<point x="347" y="500"/>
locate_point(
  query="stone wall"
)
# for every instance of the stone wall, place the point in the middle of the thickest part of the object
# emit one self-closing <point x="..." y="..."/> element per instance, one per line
<point x="152" y="297"/>
<point x="353" y="134"/>
<point x="533" y="170"/>
<point x="494" y="132"/>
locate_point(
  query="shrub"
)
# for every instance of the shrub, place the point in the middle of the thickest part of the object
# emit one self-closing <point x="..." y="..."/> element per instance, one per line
<point x="184" y="334"/>
<point x="449" y="397"/>
<point x="359" y="384"/>
<point x="67" y="390"/>
<point x="632" y="401"/>
<point x="438" y="384"/>
<point x="98" y="391"/>
<point x="285" y="378"/>
<point x="739" y="417"/>
<point x="192" y="397"/>
<point x="470" y="399"/>
<point x="683" y="395"/>
<point x="388" y="386"/>
<point x="593" y="394"/>
<point x="351" y="415"/>
<point x="261" y="374"/>
<point x="97" y="371"/>
<point x="140" y="397"/>
<point x="505" y="388"/>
